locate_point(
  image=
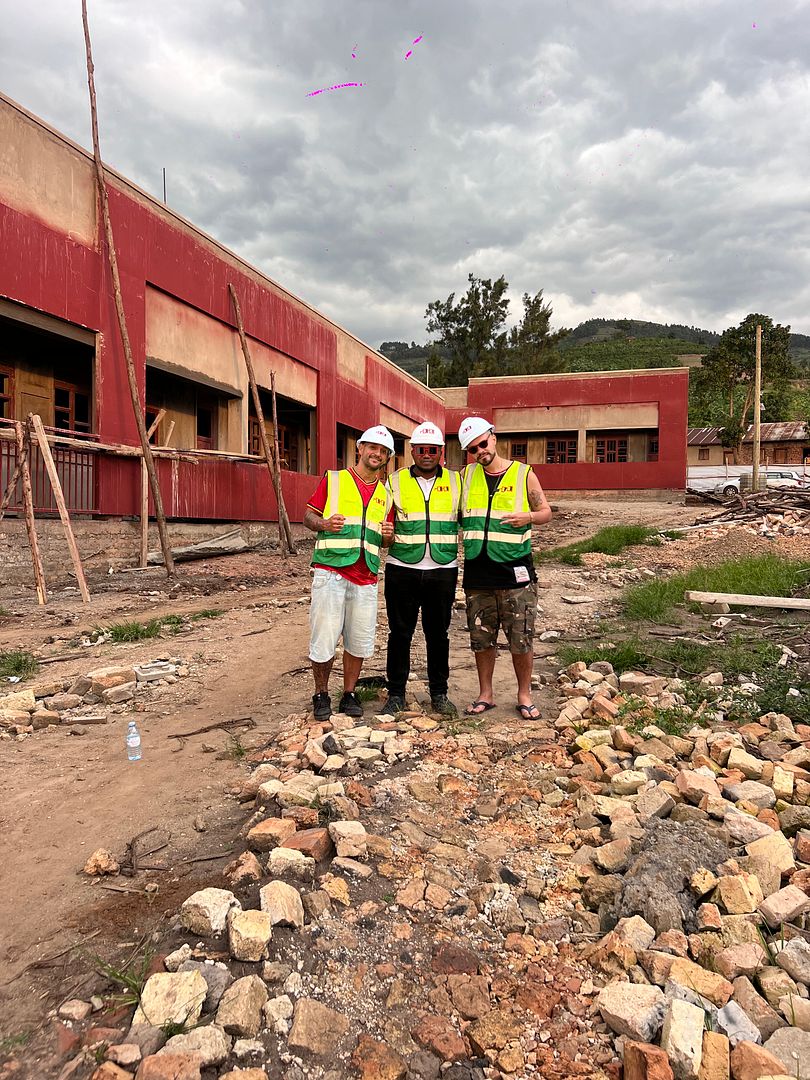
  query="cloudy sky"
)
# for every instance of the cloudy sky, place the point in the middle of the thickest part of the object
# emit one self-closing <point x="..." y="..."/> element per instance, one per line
<point x="641" y="158"/>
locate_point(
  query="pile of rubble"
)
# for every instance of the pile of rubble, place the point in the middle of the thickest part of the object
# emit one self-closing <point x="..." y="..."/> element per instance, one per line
<point x="772" y="513"/>
<point x="75" y="702"/>
<point x="694" y="876"/>
<point x="396" y="914"/>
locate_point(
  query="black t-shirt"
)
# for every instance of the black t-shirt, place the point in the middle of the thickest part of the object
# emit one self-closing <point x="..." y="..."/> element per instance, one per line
<point x="484" y="573"/>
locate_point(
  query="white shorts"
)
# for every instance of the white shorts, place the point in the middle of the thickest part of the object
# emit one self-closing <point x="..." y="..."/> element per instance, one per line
<point x="340" y="607"/>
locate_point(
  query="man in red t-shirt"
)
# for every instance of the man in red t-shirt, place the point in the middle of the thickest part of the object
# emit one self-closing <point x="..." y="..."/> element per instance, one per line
<point x="351" y="512"/>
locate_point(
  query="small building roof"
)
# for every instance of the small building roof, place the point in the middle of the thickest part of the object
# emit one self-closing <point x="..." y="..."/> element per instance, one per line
<point x="784" y="431"/>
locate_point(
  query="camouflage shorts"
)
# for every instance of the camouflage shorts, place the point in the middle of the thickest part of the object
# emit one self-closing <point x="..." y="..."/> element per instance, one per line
<point x="512" y="610"/>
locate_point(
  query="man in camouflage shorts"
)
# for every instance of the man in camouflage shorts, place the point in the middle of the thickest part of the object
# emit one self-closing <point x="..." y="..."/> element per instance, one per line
<point x="512" y="610"/>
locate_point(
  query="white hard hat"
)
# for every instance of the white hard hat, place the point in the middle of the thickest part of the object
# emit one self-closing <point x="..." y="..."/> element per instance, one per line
<point x="380" y="435"/>
<point x="427" y="434"/>
<point x="471" y="428"/>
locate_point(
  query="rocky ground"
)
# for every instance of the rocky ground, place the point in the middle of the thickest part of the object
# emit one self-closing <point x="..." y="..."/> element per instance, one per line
<point x="577" y="896"/>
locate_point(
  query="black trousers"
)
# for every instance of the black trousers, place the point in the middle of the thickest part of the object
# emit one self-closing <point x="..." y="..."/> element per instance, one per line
<point x="406" y="592"/>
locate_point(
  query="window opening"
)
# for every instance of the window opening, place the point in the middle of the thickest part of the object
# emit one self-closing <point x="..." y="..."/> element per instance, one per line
<point x="609" y="450"/>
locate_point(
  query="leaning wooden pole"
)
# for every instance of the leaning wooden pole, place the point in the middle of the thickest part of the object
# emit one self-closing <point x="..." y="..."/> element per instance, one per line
<point x="119" y="308"/>
<point x="285" y="540"/>
<point x="23" y="444"/>
<point x="282" y="509"/>
<point x="10" y="489"/>
<point x="35" y="425"/>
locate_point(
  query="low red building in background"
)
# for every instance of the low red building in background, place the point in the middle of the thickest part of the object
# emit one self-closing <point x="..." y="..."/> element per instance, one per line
<point x="61" y="357"/>
<point x="590" y="431"/>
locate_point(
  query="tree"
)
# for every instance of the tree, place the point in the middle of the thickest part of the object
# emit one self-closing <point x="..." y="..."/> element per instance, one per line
<point x="532" y="348"/>
<point x="471" y="340"/>
<point x="470" y="333"/>
<point x="728" y="369"/>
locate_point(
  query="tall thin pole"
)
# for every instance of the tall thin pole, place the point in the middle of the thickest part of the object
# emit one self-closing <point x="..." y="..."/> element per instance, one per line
<point x="285" y="540"/>
<point x="23" y="438"/>
<point x="164" y="185"/>
<point x="119" y="308"/>
<point x="757" y="410"/>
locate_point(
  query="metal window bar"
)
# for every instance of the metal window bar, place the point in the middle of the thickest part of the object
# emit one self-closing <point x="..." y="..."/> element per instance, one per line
<point x="75" y="468"/>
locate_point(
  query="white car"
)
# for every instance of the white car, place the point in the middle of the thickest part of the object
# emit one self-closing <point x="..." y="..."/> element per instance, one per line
<point x="774" y="478"/>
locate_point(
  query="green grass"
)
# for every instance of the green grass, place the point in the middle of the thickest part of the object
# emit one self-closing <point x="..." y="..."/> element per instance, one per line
<point x="608" y="541"/>
<point x="234" y="748"/>
<point x="124" y="632"/>
<point x="138" y="631"/>
<point x="4" y="612"/>
<point x="739" y="656"/>
<point x="8" y="1043"/>
<point x="19" y="663"/>
<point x="128" y="979"/>
<point x="763" y="575"/>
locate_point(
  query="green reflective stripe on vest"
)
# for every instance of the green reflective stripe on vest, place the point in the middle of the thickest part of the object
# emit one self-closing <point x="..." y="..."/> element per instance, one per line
<point x="420" y="523"/>
<point x="504" y="543"/>
<point x="362" y="529"/>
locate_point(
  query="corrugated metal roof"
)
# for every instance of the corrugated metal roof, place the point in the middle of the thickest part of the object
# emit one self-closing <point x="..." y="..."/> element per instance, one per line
<point x="787" y="431"/>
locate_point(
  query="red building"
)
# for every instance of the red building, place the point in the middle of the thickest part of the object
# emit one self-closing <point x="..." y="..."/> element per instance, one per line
<point x="61" y="356"/>
<point x="590" y="431"/>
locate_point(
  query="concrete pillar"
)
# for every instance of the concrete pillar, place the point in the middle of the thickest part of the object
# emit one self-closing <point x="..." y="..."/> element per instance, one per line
<point x="582" y="442"/>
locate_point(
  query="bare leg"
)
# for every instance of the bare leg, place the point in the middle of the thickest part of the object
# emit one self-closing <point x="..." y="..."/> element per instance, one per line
<point x="523" y="663"/>
<point x="351" y="671"/>
<point x="485" y="662"/>
<point x="321" y="673"/>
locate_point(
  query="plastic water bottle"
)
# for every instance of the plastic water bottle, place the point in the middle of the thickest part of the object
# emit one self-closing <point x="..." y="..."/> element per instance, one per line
<point x="133" y="742"/>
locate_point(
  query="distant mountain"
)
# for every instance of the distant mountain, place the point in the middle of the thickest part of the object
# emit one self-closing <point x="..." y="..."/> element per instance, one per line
<point x="611" y="345"/>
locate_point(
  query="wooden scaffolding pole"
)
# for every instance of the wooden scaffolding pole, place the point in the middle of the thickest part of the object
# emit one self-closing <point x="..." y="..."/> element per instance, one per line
<point x="56" y="484"/>
<point x="10" y="489"/>
<point x="119" y="308"/>
<point x="285" y="539"/>
<point x="23" y="444"/>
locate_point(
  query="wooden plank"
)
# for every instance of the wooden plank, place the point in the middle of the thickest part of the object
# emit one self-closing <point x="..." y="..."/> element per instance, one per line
<point x="155" y="423"/>
<point x="788" y="602"/>
<point x="58" y="494"/>
<point x="144" y="513"/>
<point x="23" y="445"/>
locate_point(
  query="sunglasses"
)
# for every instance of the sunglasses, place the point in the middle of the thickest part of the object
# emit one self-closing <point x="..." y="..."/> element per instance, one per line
<point x="433" y="450"/>
<point x="478" y="446"/>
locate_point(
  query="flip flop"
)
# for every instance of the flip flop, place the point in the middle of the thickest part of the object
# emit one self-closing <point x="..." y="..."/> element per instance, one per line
<point x="528" y="712"/>
<point x="479" y="707"/>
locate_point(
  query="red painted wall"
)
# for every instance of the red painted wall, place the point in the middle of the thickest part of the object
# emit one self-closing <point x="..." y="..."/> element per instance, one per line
<point x="669" y="389"/>
<point x="46" y="270"/>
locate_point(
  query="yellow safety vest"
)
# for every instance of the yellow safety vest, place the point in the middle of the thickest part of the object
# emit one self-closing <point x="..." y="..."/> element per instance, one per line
<point x="482" y="514"/>
<point x="419" y="522"/>
<point x="362" y="529"/>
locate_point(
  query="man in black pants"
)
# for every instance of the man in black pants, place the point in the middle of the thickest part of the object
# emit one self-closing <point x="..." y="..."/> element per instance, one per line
<point x="422" y="568"/>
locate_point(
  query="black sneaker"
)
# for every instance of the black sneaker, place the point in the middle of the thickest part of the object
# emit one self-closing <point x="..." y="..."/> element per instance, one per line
<point x="442" y="705"/>
<point x="350" y="704"/>
<point x="321" y="706"/>
<point x="394" y="705"/>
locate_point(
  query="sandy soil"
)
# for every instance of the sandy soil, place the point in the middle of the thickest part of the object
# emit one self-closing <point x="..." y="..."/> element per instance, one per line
<point x="64" y="796"/>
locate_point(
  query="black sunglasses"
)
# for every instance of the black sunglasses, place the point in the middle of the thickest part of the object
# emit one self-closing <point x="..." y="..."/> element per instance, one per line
<point x="478" y="446"/>
<point x="427" y="449"/>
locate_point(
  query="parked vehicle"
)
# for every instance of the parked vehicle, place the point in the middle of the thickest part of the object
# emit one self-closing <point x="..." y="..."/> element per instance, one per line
<point x="773" y="478"/>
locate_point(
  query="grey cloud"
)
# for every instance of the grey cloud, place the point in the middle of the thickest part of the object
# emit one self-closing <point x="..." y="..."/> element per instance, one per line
<point x="635" y="157"/>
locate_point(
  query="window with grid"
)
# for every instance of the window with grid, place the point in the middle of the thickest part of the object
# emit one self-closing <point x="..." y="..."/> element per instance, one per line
<point x="561" y="451"/>
<point x="519" y="451"/>
<point x="254" y="437"/>
<point x="703" y="453"/>
<point x="611" y="449"/>
<point x="71" y="407"/>
<point x="652" y="447"/>
<point x="6" y="393"/>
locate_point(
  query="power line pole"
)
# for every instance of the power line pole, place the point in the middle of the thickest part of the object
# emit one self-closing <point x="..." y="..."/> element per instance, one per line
<point x="757" y="410"/>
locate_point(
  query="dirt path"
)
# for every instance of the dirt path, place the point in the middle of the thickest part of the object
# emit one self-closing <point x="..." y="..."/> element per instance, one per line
<point x="64" y="796"/>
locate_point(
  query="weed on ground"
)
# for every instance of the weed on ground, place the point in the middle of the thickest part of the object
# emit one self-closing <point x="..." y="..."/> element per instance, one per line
<point x="17" y="664"/>
<point x="608" y="541"/>
<point x="762" y="575"/>
<point x="174" y="624"/>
